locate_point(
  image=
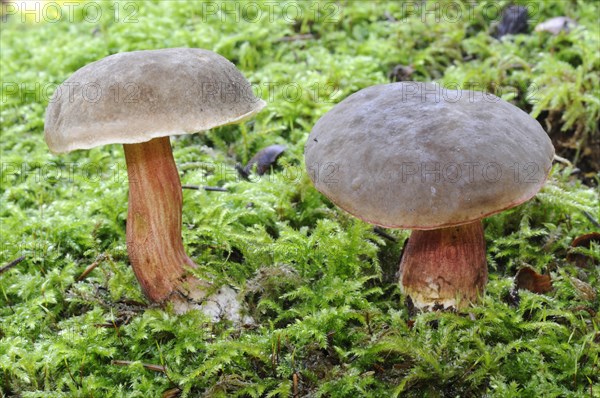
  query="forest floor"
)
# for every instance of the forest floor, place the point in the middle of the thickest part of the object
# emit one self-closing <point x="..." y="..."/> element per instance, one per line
<point x="321" y="286"/>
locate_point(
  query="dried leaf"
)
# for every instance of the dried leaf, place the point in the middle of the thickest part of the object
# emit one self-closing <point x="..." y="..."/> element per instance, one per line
<point x="528" y="278"/>
<point x="263" y="160"/>
<point x="155" y="368"/>
<point x="579" y="259"/>
<point x="584" y="290"/>
<point x="171" y="393"/>
<point x="401" y="73"/>
<point x="556" y="25"/>
<point x="514" y="20"/>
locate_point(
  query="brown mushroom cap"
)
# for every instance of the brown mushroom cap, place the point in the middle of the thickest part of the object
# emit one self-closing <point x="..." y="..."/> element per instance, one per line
<point x="418" y="156"/>
<point x="133" y="97"/>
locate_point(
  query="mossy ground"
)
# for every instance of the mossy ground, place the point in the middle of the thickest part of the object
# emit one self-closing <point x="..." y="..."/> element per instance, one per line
<point x="320" y="284"/>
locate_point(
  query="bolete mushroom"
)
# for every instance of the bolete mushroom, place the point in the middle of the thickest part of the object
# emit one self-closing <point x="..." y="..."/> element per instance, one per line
<point x="437" y="161"/>
<point x="139" y="99"/>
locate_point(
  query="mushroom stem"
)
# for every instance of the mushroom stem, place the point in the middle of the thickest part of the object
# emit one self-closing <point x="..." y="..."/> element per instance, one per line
<point x="154" y="241"/>
<point x="444" y="267"/>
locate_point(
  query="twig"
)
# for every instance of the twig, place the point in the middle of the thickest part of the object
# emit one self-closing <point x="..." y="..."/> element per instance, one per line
<point x="379" y="231"/>
<point x="562" y="160"/>
<point x="107" y="325"/>
<point x="156" y="368"/>
<point x="307" y="36"/>
<point x="91" y="267"/>
<point x="591" y="218"/>
<point x="71" y="374"/>
<point x="368" y="321"/>
<point x="212" y="189"/>
<point x="166" y="366"/>
<point x="116" y="327"/>
<point x="11" y="264"/>
<point x="295" y="383"/>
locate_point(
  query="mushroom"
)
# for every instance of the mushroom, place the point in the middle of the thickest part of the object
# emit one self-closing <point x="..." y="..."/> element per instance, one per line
<point x="437" y="161"/>
<point x="139" y="99"/>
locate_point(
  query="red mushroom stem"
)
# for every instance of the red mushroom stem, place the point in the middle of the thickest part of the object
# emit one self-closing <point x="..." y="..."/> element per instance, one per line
<point x="445" y="267"/>
<point x="154" y="241"/>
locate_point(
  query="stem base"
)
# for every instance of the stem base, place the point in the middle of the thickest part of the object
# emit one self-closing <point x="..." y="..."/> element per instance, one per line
<point x="444" y="267"/>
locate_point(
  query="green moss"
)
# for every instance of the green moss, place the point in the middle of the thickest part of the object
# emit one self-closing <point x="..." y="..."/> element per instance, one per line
<point x="330" y="320"/>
